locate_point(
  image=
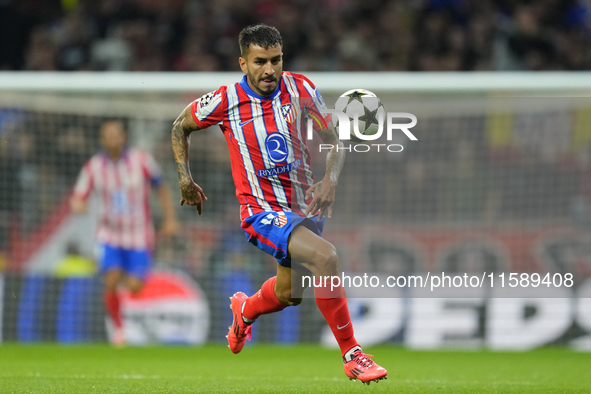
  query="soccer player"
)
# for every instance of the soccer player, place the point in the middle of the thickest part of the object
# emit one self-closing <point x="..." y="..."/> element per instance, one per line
<point x="282" y="209"/>
<point x="122" y="177"/>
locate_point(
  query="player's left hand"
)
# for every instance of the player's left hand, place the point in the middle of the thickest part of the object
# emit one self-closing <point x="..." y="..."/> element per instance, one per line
<point x="169" y="228"/>
<point x="324" y="197"/>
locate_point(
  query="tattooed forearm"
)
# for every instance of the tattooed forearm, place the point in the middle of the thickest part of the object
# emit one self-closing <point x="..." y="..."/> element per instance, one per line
<point x="180" y="148"/>
<point x="181" y="131"/>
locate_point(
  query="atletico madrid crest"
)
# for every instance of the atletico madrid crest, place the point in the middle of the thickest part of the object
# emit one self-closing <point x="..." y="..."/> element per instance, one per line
<point x="280" y="221"/>
<point x="288" y="113"/>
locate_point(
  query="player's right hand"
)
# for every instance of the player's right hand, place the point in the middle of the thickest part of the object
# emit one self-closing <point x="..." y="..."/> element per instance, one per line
<point x="192" y="194"/>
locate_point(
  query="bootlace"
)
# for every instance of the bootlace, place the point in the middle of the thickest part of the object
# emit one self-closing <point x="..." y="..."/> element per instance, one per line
<point x="247" y="331"/>
<point x="363" y="359"/>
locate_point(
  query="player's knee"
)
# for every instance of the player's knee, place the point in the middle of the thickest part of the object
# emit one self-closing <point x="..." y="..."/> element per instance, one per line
<point x="135" y="289"/>
<point x="111" y="281"/>
<point x="326" y="261"/>
<point x="110" y="287"/>
<point x="135" y="286"/>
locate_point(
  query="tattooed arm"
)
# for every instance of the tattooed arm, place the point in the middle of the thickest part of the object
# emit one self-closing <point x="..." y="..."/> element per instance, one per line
<point x="324" y="191"/>
<point x="182" y="128"/>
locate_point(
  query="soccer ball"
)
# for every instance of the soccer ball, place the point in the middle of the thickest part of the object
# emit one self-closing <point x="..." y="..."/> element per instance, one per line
<point x="364" y="105"/>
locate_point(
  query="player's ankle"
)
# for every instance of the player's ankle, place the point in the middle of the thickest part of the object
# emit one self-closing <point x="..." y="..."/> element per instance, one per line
<point x="348" y="356"/>
<point x="245" y="319"/>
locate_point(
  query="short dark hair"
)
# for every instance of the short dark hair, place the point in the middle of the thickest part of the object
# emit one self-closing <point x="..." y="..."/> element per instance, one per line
<point x="262" y="35"/>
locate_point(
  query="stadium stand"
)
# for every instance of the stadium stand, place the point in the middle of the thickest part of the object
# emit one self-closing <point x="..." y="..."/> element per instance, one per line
<point x="328" y="35"/>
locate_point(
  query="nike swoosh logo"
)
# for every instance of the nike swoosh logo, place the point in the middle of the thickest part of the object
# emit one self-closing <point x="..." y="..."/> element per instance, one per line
<point x="340" y="328"/>
<point x="242" y="124"/>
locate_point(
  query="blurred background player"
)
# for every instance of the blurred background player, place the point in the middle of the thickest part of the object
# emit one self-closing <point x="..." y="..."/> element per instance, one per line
<point x="122" y="178"/>
<point x="283" y="214"/>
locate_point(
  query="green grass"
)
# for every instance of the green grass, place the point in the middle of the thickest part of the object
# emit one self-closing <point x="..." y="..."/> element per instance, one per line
<point x="274" y="369"/>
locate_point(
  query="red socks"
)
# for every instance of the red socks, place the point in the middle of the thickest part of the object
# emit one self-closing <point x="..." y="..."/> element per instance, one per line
<point x="111" y="301"/>
<point x="263" y="301"/>
<point x="334" y="308"/>
<point x="336" y="314"/>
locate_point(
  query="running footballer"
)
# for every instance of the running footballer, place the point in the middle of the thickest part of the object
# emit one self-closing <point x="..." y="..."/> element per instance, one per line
<point x="282" y="208"/>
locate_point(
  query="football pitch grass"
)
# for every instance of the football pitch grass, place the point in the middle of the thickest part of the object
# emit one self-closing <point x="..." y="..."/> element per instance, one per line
<point x="282" y="369"/>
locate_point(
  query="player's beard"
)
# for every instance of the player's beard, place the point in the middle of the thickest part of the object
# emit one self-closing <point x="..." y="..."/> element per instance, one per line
<point x="256" y="83"/>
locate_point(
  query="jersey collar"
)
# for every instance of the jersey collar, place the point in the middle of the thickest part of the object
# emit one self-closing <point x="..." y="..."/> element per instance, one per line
<point x="250" y="92"/>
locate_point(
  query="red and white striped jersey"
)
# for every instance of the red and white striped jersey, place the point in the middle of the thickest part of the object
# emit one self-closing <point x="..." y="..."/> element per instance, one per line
<point x="123" y="188"/>
<point x="266" y="137"/>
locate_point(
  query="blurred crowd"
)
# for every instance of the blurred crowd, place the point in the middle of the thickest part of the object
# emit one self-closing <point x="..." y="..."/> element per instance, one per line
<point x="319" y="35"/>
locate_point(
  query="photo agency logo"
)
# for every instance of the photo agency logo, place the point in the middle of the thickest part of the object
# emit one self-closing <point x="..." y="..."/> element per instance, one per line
<point x="359" y="117"/>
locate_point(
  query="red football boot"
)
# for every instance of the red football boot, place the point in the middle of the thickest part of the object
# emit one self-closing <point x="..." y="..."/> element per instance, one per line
<point x="359" y="365"/>
<point x="239" y="331"/>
